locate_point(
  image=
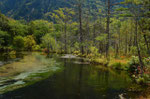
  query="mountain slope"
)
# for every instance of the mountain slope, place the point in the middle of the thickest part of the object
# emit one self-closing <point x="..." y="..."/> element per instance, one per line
<point x="35" y="9"/>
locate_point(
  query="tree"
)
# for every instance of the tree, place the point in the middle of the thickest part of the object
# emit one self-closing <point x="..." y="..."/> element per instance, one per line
<point x="107" y="29"/>
<point x="16" y="29"/>
<point x="4" y="23"/>
<point x="63" y="16"/>
<point x="49" y="42"/>
<point x="144" y="22"/>
<point x="109" y="6"/>
<point x="80" y="2"/>
<point x="29" y="42"/>
<point x="18" y="43"/>
<point x="4" y="38"/>
<point x="39" y="28"/>
<point x="134" y="12"/>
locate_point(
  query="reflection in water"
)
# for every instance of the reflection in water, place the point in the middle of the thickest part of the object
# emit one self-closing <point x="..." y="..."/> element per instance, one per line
<point x="80" y="80"/>
<point x="16" y="74"/>
<point x="65" y="83"/>
<point x="76" y="81"/>
<point x="5" y="57"/>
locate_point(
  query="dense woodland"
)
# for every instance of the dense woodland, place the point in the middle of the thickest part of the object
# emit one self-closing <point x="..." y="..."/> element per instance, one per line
<point x="95" y="29"/>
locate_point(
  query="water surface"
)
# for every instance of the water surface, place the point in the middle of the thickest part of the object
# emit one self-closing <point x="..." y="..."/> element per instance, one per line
<point x="74" y="81"/>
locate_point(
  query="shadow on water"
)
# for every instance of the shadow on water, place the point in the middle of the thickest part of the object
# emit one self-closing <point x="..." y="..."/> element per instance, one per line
<point x="76" y="81"/>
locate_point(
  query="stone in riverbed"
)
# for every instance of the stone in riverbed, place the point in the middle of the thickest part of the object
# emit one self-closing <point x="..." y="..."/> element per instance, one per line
<point x="69" y="56"/>
<point x="82" y="63"/>
<point x="1" y="63"/>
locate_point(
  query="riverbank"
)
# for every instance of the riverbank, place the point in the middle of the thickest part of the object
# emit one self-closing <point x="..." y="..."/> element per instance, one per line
<point x="132" y="66"/>
<point x="119" y="64"/>
<point x="124" y="65"/>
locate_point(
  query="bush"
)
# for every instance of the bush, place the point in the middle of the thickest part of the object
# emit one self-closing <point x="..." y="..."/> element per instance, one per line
<point x="18" y="43"/>
<point x="93" y="53"/>
<point x="117" y="66"/>
<point x="29" y="42"/>
<point x="49" y="42"/>
<point x="133" y="65"/>
<point x="146" y="61"/>
<point x="36" y="48"/>
<point x="140" y="80"/>
<point x="135" y="70"/>
<point x="134" y="60"/>
<point x="120" y="66"/>
<point x="146" y="77"/>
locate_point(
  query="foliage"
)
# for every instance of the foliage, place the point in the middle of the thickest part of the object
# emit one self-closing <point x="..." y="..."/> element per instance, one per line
<point x="17" y="28"/>
<point x="39" y="28"/>
<point x="3" y="38"/>
<point x="120" y="66"/>
<point x="102" y="37"/>
<point x="49" y="42"/>
<point x="94" y="51"/>
<point x="37" y="9"/>
<point x="122" y="33"/>
<point x="36" y="48"/>
<point x="18" y="43"/>
<point x="29" y="42"/>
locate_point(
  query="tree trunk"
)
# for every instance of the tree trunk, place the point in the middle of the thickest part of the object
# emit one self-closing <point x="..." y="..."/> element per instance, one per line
<point x="146" y="42"/>
<point x="126" y="45"/>
<point x="80" y="27"/>
<point x="107" y="30"/>
<point x="130" y="42"/>
<point x="94" y="35"/>
<point x="117" y="49"/>
<point x="65" y="37"/>
<point x="137" y="45"/>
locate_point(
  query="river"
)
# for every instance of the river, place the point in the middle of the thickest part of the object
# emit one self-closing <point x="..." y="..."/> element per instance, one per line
<point x="38" y="76"/>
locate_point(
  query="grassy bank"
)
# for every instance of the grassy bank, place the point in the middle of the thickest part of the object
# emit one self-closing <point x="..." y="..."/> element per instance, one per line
<point x="119" y="64"/>
<point x="130" y="64"/>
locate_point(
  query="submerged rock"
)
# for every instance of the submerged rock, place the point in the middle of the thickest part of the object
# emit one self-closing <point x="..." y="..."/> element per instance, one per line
<point x="1" y="63"/>
<point x="84" y="63"/>
<point x="69" y="56"/>
<point x="121" y="96"/>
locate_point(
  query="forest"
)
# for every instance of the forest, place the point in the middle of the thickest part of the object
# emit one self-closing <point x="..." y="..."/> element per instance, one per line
<point x="112" y="33"/>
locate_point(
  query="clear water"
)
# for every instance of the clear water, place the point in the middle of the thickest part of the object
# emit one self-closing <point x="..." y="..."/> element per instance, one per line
<point x="74" y="81"/>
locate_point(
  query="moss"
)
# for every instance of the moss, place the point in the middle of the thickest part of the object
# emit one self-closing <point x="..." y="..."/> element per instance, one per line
<point x="29" y="80"/>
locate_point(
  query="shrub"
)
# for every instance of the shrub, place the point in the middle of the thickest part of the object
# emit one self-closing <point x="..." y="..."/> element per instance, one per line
<point x="146" y="61"/>
<point x="29" y="42"/>
<point x="140" y="80"/>
<point x="146" y="77"/>
<point x="36" y="48"/>
<point x="18" y="43"/>
<point x="133" y="65"/>
<point x="49" y="42"/>
<point x="135" y="70"/>
<point x="93" y="53"/>
<point x="117" y="66"/>
<point x="76" y="52"/>
<point x="120" y="66"/>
